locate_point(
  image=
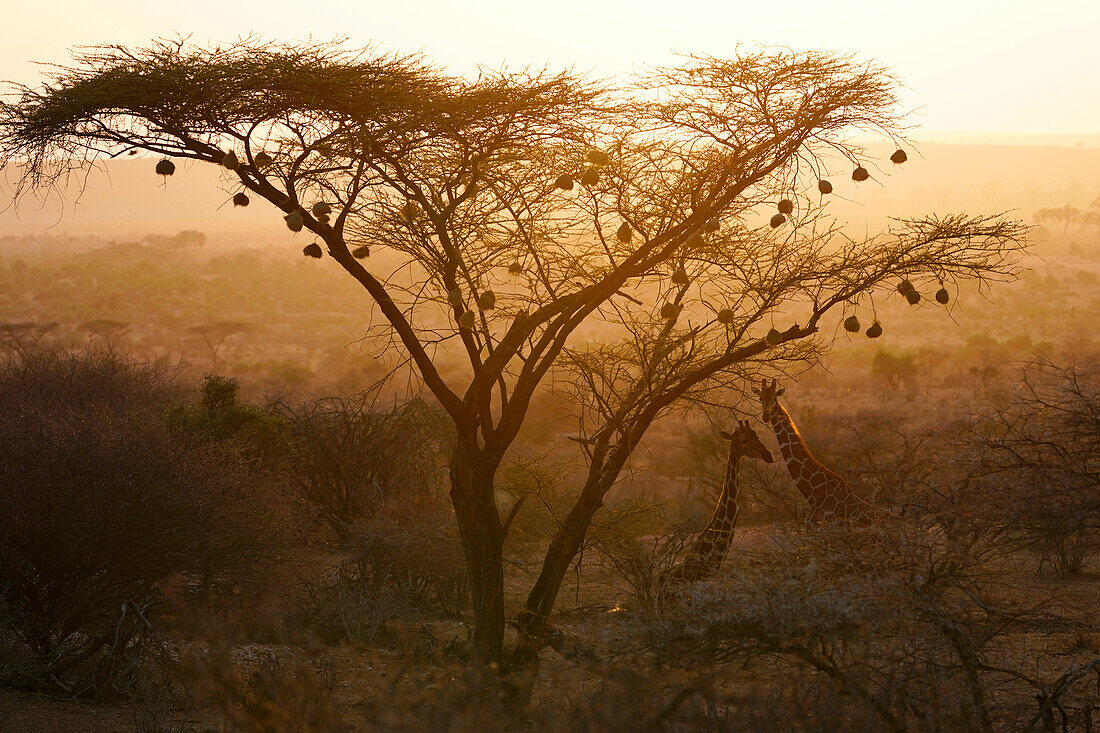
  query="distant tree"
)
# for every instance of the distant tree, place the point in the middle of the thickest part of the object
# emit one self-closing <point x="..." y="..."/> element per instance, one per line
<point x="107" y="330"/>
<point x="24" y="336"/>
<point x="894" y="368"/>
<point x="213" y="335"/>
<point x="1091" y="217"/>
<point x="187" y="239"/>
<point x="1059" y="220"/>
<point x="527" y="211"/>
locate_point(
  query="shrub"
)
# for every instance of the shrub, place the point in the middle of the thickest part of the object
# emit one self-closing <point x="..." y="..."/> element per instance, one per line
<point x="103" y="506"/>
<point x="1035" y="464"/>
<point x="404" y="565"/>
<point x="348" y="457"/>
<point x="265" y="693"/>
<point x="642" y="561"/>
<point x="892" y="625"/>
<point x="220" y="416"/>
<point x="528" y="490"/>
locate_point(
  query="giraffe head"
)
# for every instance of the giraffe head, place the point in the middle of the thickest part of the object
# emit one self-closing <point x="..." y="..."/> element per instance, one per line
<point x="769" y="395"/>
<point x="746" y="442"/>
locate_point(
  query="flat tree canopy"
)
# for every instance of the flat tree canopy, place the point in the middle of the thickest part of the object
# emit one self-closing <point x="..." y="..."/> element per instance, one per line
<point x="527" y="205"/>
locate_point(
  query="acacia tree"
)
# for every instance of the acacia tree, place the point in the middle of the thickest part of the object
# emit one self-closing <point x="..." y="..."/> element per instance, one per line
<point x="1062" y="218"/>
<point x="213" y="335"/>
<point x="516" y="209"/>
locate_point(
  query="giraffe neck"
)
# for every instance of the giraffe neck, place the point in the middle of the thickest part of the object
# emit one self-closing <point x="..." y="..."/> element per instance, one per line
<point x="725" y="514"/>
<point x="712" y="544"/>
<point x="795" y="453"/>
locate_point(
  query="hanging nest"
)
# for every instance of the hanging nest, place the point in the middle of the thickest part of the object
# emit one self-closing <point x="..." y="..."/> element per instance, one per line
<point x="711" y="225"/>
<point x="294" y="221"/>
<point x="410" y="211"/>
<point x="361" y="252"/>
<point x="454" y="297"/>
<point x="904" y="287"/>
<point x="312" y="250"/>
<point x="321" y="209"/>
<point x="624" y="233"/>
<point x="725" y="316"/>
<point x="786" y="206"/>
<point x="487" y="300"/>
<point x="824" y="186"/>
<point x="860" y="174"/>
<point x="680" y="277"/>
<point x="230" y="161"/>
<point x="262" y="159"/>
<point x="165" y="167"/>
<point x="777" y="221"/>
<point x="515" y="268"/>
<point x="590" y="177"/>
<point x="913" y="297"/>
<point x="695" y="240"/>
<point x="466" y="320"/>
<point x="597" y="157"/>
<point x="874" y="331"/>
<point x="669" y="311"/>
<point x="240" y="199"/>
<point x="942" y="296"/>
<point x="773" y="338"/>
<point x="899" y="157"/>
<point x="564" y="182"/>
<point x="851" y="324"/>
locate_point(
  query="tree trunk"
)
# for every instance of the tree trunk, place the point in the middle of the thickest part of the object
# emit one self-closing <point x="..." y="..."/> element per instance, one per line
<point x="479" y="527"/>
<point x="534" y="618"/>
<point x="540" y="602"/>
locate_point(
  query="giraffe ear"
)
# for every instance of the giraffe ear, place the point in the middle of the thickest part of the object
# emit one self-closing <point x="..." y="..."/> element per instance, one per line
<point x="755" y="390"/>
<point x="724" y="434"/>
<point x="779" y="391"/>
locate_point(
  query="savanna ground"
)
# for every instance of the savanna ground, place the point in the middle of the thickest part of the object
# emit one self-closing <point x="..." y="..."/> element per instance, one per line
<point x="289" y="562"/>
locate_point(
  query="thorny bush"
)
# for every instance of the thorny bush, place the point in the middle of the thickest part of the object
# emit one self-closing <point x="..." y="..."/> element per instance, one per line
<point x="104" y="505"/>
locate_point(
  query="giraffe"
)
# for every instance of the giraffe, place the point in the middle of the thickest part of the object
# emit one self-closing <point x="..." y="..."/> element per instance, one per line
<point x="827" y="493"/>
<point x="712" y="544"/>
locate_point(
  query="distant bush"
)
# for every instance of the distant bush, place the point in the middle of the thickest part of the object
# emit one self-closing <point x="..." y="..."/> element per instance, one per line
<point x="888" y="457"/>
<point x="290" y="374"/>
<point x="103" y="506"/>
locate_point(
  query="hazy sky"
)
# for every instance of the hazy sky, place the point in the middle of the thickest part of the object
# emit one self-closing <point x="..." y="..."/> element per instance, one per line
<point x="992" y="66"/>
